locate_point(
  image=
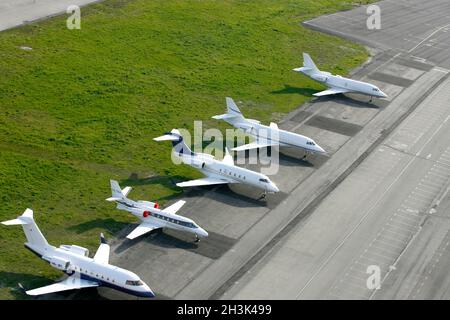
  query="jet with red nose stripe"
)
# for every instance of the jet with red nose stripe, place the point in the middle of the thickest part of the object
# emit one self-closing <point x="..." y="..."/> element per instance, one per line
<point x="152" y="217"/>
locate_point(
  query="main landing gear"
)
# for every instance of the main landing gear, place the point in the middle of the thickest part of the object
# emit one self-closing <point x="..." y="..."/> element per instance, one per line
<point x="263" y="196"/>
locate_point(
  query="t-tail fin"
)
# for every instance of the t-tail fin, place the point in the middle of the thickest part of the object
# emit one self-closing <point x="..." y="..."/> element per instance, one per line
<point x="233" y="112"/>
<point x="30" y="228"/>
<point x="116" y="192"/>
<point x="232" y="108"/>
<point x="177" y="142"/>
<point x="308" y="62"/>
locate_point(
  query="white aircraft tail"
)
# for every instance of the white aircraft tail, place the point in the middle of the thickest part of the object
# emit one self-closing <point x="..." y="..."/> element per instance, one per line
<point x="233" y="112"/>
<point x="178" y="143"/>
<point x="30" y="228"/>
<point x="308" y="63"/>
<point x="116" y="192"/>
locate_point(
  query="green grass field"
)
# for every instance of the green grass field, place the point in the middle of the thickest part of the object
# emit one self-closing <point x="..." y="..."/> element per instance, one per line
<point x="83" y="106"/>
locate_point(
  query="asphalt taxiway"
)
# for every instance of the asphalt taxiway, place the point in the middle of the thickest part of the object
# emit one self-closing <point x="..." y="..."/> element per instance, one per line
<point x="14" y="13"/>
<point x="390" y="211"/>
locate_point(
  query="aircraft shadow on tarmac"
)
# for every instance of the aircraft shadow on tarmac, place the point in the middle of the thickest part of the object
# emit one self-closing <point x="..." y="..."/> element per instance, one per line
<point x="355" y="101"/>
<point x="108" y="223"/>
<point x="212" y="247"/>
<point x="293" y="157"/>
<point x="157" y="237"/>
<point x="288" y="89"/>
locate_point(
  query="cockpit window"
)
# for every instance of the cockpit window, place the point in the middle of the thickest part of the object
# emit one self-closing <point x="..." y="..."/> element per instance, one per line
<point x="134" y="283"/>
<point x="374" y="89"/>
<point x="310" y="143"/>
<point x="264" y="180"/>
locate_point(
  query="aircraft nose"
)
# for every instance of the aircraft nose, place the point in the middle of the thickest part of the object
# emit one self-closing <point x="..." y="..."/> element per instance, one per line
<point x="274" y="188"/>
<point x="383" y="95"/>
<point x="147" y="292"/>
<point x="202" y="233"/>
<point x="321" y="150"/>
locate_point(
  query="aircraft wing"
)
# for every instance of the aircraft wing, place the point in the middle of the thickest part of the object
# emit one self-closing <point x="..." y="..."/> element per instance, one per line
<point x="175" y="207"/>
<point x="205" y="182"/>
<point x="330" y="91"/>
<point x="255" y="145"/>
<point x="102" y="254"/>
<point x="142" y="229"/>
<point x="72" y="282"/>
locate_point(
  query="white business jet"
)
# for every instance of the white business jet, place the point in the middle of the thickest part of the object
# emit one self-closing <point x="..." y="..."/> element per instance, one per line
<point x="216" y="171"/>
<point x="152" y="216"/>
<point x="337" y="84"/>
<point x="84" y="272"/>
<point x="266" y="136"/>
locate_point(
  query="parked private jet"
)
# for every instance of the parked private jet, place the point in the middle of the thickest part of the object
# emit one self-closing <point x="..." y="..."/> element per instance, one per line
<point x="84" y="272"/>
<point x="152" y="216"/>
<point x="266" y="136"/>
<point x="216" y="172"/>
<point x="337" y="84"/>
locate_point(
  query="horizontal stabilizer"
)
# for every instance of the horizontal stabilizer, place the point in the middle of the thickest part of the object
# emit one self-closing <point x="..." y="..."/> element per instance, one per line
<point x="173" y="135"/>
<point x="25" y="218"/>
<point x="126" y="191"/>
<point x="166" y="137"/>
<point x="14" y="222"/>
<point x="112" y="199"/>
<point x="225" y="116"/>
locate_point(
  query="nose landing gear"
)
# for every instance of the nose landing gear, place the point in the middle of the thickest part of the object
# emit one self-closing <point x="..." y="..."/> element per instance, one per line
<point x="197" y="239"/>
<point x="263" y="196"/>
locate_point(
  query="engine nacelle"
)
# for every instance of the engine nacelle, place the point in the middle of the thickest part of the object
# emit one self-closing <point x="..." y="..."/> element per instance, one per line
<point x="197" y="163"/>
<point x="59" y="263"/>
<point x="319" y="78"/>
<point x="76" y="249"/>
